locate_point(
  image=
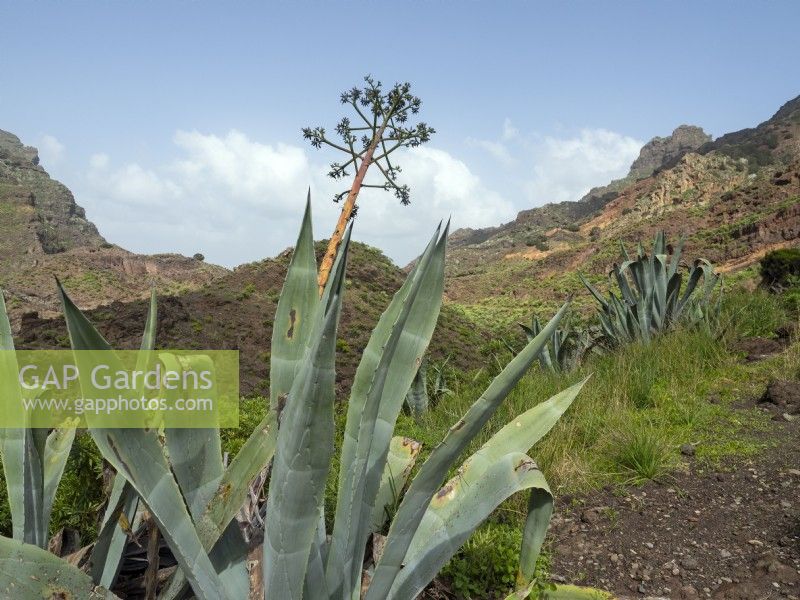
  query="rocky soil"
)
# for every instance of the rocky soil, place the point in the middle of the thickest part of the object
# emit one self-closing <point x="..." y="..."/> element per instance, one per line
<point x="730" y="532"/>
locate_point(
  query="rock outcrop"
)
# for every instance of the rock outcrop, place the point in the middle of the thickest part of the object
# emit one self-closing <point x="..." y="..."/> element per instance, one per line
<point x="667" y="151"/>
<point x="60" y="224"/>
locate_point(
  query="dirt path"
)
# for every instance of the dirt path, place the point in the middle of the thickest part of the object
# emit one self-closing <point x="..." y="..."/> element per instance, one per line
<point x="728" y="534"/>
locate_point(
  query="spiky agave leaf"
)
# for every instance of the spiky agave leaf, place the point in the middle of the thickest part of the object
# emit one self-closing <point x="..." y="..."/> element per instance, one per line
<point x="402" y="455"/>
<point x="123" y="504"/>
<point x="22" y="450"/>
<point x="497" y="470"/>
<point x="424" y="486"/>
<point x="294" y="316"/>
<point x="387" y="367"/>
<point x="303" y="453"/>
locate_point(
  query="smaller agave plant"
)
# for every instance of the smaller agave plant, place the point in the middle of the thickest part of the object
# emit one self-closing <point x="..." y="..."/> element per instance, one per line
<point x="555" y="355"/>
<point x="422" y="392"/>
<point x="650" y="299"/>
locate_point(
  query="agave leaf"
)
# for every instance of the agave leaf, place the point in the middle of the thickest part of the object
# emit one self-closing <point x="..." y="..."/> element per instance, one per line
<point x="540" y="509"/>
<point x="456" y="510"/>
<point x="56" y="452"/>
<point x="196" y="459"/>
<point x="593" y="290"/>
<point x="27" y="571"/>
<point x="303" y="453"/>
<point x="675" y="260"/>
<point x="400" y="461"/>
<point x="387" y="367"/>
<point x="294" y="317"/>
<point x="22" y="451"/>
<point x="138" y="455"/>
<point x="194" y="454"/>
<point x="123" y="503"/>
<point x="109" y="547"/>
<point x="231" y="493"/>
<point x="433" y="471"/>
<point x="493" y="473"/>
<point x="315" y="587"/>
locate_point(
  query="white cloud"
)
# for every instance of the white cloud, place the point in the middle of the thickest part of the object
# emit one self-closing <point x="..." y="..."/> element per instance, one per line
<point x="235" y="199"/>
<point x="509" y="131"/>
<point x="555" y="169"/>
<point x="51" y="150"/>
<point x="567" y="168"/>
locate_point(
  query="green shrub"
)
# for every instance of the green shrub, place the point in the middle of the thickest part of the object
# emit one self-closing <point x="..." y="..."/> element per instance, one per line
<point x="779" y="266"/>
<point x="248" y="291"/>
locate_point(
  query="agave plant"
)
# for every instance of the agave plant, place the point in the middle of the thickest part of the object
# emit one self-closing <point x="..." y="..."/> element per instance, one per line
<point x="650" y="299"/>
<point x="178" y="475"/>
<point x="422" y="392"/>
<point x="556" y="355"/>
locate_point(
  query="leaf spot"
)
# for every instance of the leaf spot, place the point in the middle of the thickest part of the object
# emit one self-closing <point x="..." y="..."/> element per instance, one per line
<point x="292" y="321"/>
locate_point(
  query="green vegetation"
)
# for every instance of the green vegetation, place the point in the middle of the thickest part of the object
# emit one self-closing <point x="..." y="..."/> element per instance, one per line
<point x="781" y="268"/>
<point x="560" y="352"/>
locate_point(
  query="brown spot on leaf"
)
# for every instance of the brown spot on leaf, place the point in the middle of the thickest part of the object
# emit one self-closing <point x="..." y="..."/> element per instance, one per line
<point x="459" y="425"/>
<point x="292" y="320"/>
<point x="526" y="464"/>
<point x="444" y="491"/>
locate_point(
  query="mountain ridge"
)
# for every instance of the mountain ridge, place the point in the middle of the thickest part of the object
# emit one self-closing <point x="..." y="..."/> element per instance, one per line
<point x="734" y="198"/>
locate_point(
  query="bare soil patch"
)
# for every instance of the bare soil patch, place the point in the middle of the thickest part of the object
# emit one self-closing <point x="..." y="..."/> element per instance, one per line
<point x="729" y="533"/>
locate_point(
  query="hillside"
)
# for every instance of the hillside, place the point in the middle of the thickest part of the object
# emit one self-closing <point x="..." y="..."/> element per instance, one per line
<point x="44" y="232"/>
<point x="235" y="311"/>
<point x="734" y="199"/>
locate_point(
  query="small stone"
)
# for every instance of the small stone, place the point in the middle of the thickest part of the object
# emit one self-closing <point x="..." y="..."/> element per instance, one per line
<point x="689" y="563"/>
<point x="755" y="542"/>
<point x="689" y="592"/>
<point x="725" y="554"/>
<point x="687" y="450"/>
<point x="590" y="516"/>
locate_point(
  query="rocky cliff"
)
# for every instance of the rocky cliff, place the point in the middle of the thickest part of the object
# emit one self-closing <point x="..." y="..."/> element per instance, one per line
<point x="58" y="222"/>
<point x="667" y="151"/>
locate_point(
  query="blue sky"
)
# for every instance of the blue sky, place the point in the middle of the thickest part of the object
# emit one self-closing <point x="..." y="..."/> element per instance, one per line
<point x="176" y="124"/>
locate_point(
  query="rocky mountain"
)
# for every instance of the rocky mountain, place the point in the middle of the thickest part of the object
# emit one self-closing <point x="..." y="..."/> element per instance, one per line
<point x="57" y="221"/>
<point x="654" y="155"/>
<point x="660" y="152"/>
<point x="734" y="198"/>
<point x="45" y="233"/>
